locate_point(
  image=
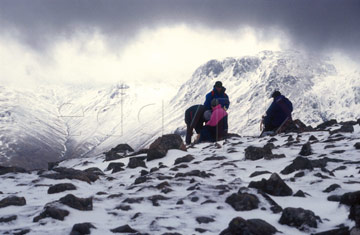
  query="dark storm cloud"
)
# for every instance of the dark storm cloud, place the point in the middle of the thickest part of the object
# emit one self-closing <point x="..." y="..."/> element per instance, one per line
<point x="315" y="24"/>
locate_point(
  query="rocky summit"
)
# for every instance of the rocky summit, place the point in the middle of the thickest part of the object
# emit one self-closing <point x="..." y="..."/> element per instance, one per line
<point x="233" y="187"/>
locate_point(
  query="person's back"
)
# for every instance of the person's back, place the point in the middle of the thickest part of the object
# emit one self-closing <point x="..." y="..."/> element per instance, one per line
<point x="218" y="93"/>
<point x="194" y="119"/>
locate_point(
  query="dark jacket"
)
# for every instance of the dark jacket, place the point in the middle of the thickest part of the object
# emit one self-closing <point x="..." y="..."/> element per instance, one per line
<point x="194" y="119"/>
<point x="221" y="96"/>
<point x="278" y="111"/>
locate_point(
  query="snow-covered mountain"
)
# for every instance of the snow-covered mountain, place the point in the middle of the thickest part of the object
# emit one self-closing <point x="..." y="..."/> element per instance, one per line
<point x="48" y="124"/>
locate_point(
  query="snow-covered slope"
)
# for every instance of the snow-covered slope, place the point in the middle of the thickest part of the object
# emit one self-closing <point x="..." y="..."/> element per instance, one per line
<point x="190" y="198"/>
<point x="318" y="90"/>
<point x="49" y="124"/>
<point x="46" y="124"/>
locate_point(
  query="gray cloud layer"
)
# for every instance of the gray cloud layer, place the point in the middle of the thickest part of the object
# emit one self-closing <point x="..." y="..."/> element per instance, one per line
<point x="316" y="24"/>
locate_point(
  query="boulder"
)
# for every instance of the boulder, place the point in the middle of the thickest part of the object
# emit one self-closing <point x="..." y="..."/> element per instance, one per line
<point x="299" y="163"/>
<point x="198" y="173"/>
<point x="357" y="145"/>
<point x="241" y="226"/>
<point x="331" y="188"/>
<point x="58" y="188"/>
<point x="350" y="199"/>
<point x="118" y="152"/>
<point x="337" y="231"/>
<point x="159" y="148"/>
<point x="299" y="193"/>
<point x="326" y="124"/>
<point x="347" y="128"/>
<point x="274" y="186"/>
<point x="115" y="167"/>
<point x="69" y="173"/>
<point x="256" y="153"/>
<point x="135" y="162"/>
<point x="123" y="229"/>
<point x="83" y="204"/>
<point x="7" y="219"/>
<point x="83" y="228"/>
<point x="52" y="212"/>
<point x="6" y="170"/>
<point x="306" y="150"/>
<point x="12" y="201"/>
<point x="204" y="220"/>
<point x="243" y="201"/>
<point x="185" y="159"/>
<point x="299" y="218"/>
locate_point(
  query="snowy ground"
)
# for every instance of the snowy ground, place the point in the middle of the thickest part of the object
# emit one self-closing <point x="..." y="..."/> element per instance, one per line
<point x="233" y="171"/>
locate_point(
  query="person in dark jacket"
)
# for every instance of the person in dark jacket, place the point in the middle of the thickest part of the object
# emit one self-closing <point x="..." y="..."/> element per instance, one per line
<point x="218" y="93"/>
<point x="194" y="119"/>
<point x="279" y="111"/>
<point x="216" y="128"/>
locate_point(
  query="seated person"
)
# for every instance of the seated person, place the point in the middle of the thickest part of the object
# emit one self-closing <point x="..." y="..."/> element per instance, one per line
<point x="216" y="128"/>
<point x="279" y="112"/>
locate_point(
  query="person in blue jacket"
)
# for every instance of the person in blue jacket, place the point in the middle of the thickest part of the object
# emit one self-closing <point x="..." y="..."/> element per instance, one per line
<point x="279" y="111"/>
<point x="218" y="93"/>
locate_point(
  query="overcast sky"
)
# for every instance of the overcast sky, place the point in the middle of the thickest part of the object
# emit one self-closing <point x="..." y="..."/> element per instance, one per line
<point x="88" y="41"/>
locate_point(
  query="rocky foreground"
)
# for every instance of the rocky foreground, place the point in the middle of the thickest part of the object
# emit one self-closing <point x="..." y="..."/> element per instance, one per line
<point x="295" y="183"/>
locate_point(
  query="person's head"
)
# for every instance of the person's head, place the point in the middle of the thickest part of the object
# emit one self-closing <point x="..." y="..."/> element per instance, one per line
<point x="207" y="115"/>
<point x="214" y="103"/>
<point x="218" y="86"/>
<point x="275" y="94"/>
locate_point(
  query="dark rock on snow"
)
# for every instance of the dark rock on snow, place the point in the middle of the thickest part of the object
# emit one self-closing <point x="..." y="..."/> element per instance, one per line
<point x="347" y="128"/>
<point x="357" y="145"/>
<point x="274" y="207"/>
<point x="118" y="152"/>
<point x="243" y="201"/>
<point x="58" y="188"/>
<point x="7" y="219"/>
<point x="135" y="162"/>
<point x="198" y="173"/>
<point x="256" y="153"/>
<point x="123" y="229"/>
<point x="326" y="124"/>
<point x="159" y="148"/>
<point x="12" y="201"/>
<point x="257" y="173"/>
<point x="299" y="194"/>
<point x="274" y="186"/>
<point x="83" y="204"/>
<point x="299" y="218"/>
<point x="69" y="173"/>
<point x="241" y="226"/>
<point x="306" y="150"/>
<point x="5" y="170"/>
<point x="331" y="188"/>
<point x="187" y="158"/>
<point x="52" y="212"/>
<point x="83" y="228"/>
<point x="115" y="167"/>
<point x="300" y="163"/>
<point x="204" y="220"/>
<point x="338" y="231"/>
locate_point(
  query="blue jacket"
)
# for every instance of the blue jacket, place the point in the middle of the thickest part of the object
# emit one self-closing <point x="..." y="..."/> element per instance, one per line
<point x="278" y="111"/>
<point x="214" y="94"/>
